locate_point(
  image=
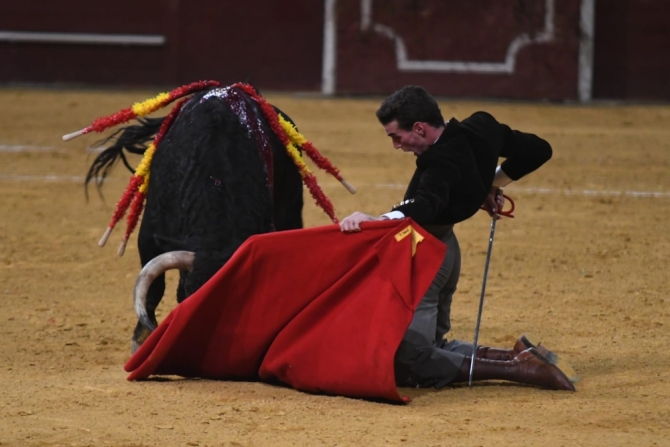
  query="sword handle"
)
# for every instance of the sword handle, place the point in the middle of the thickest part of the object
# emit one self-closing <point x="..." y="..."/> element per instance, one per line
<point x="509" y="212"/>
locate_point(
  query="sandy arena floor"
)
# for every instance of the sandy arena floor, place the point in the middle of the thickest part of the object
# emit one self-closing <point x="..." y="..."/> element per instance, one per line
<point x="584" y="265"/>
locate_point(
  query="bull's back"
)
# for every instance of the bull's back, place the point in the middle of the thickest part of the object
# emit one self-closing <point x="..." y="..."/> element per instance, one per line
<point x="208" y="182"/>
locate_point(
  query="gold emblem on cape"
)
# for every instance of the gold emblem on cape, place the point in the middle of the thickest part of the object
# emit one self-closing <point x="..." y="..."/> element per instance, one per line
<point x="416" y="237"/>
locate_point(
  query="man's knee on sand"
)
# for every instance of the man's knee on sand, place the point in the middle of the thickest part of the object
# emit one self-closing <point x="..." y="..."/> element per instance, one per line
<point x="420" y="363"/>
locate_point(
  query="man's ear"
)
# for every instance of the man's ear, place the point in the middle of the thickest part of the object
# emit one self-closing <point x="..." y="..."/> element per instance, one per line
<point x="419" y="128"/>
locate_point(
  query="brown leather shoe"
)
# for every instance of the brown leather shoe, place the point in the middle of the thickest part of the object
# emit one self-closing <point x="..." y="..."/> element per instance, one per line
<point x="522" y="343"/>
<point x="485" y="352"/>
<point x="529" y="367"/>
<point x="530" y="341"/>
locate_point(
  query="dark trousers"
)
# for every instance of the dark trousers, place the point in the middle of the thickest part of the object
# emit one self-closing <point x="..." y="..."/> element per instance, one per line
<point x="425" y="357"/>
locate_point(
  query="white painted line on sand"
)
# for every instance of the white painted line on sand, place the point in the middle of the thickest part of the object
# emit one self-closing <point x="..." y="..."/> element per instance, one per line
<point x="593" y="192"/>
<point x="566" y="192"/>
<point x="42" y="178"/>
<point x="16" y="148"/>
<point x="25" y="148"/>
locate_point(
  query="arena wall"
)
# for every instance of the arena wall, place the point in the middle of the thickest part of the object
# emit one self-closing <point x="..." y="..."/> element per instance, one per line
<point x="276" y="45"/>
<point x="518" y="49"/>
<point x="632" y="56"/>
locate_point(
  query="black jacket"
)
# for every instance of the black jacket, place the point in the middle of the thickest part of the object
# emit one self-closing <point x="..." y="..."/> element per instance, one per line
<point x="454" y="175"/>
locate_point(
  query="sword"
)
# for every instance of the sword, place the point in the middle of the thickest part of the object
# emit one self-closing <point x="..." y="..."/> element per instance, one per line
<point x="486" y="274"/>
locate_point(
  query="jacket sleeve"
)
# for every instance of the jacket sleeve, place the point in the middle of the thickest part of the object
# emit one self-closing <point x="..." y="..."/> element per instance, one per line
<point x="524" y="152"/>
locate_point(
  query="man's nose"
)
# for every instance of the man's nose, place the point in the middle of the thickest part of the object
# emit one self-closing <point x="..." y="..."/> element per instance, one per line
<point x="397" y="146"/>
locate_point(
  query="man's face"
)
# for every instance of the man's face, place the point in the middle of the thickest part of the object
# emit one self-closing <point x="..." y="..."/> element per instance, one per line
<point x="408" y="140"/>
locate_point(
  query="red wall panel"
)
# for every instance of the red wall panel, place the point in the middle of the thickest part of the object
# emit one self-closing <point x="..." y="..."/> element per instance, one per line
<point x="276" y="45"/>
<point x="85" y="63"/>
<point x="632" y="56"/>
<point x="453" y="30"/>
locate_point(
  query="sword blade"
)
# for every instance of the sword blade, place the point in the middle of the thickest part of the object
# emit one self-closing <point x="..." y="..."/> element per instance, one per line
<point x="481" y="300"/>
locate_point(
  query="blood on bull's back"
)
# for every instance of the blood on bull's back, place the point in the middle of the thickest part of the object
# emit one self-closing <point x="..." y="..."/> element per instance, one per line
<point x="211" y="188"/>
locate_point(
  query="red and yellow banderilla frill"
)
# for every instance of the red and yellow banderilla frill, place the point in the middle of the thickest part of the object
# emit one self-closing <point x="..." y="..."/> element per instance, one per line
<point x="135" y="193"/>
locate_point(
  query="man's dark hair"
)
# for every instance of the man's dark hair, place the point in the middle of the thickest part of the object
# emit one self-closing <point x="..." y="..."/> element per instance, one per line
<point x="409" y="105"/>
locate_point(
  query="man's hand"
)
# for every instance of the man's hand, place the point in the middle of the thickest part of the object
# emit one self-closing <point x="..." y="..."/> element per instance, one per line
<point x="494" y="202"/>
<point x="352" y="223"/>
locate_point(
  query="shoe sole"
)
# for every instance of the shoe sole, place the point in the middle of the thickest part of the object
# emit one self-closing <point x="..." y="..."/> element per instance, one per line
<point x="531" y="341"/>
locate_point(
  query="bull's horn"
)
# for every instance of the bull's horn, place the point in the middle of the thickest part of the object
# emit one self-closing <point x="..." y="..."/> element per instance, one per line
<point x="182" y="260"/>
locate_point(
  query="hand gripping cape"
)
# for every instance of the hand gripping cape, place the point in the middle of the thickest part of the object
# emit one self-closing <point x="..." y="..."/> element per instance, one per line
<point x="317" y="309"/>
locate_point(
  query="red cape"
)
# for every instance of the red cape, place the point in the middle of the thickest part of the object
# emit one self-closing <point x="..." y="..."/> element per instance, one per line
<point x="317" y="309"/>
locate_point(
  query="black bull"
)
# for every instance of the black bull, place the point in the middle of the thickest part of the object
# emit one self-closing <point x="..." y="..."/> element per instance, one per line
<point x="219" y="176"/>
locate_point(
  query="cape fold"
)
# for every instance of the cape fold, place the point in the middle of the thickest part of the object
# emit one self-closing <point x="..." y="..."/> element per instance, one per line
<point x="317" y="309"/>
